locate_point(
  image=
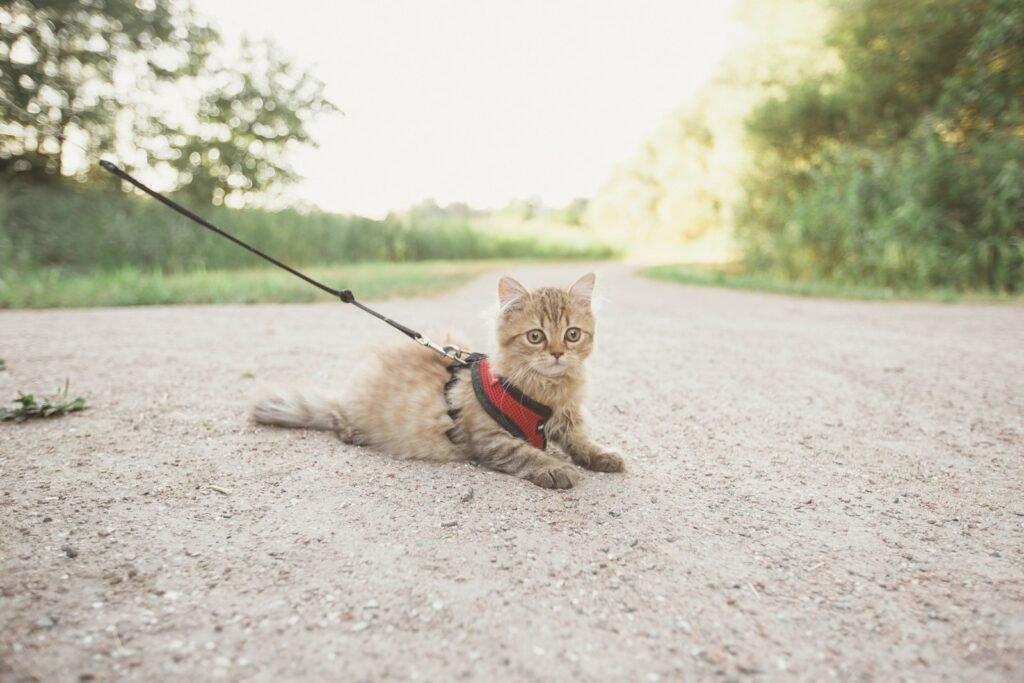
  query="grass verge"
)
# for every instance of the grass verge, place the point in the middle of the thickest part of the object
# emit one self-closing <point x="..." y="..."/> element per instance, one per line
<point x="54" y="288"/>
<point x="732" y="276"/>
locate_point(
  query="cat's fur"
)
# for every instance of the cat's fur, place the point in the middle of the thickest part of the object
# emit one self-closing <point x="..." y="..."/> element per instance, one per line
<point x="397" y="404"/>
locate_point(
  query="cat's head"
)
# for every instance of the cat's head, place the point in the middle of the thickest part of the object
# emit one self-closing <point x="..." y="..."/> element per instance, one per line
<point x="547" y="332"/>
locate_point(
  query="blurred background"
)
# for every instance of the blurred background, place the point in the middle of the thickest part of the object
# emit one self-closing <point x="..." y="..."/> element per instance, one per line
<point x="845" y="147"/>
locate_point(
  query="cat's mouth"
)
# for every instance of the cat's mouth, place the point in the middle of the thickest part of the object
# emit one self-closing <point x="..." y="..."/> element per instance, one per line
<point x="552" y="368"/>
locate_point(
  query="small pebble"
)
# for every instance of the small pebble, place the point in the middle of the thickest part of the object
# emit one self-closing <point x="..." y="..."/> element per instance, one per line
<point x="70" y="551"/>
<point x="467" y="495"/>
<point x="360" y="626"/>
<point x="450" y="522"/>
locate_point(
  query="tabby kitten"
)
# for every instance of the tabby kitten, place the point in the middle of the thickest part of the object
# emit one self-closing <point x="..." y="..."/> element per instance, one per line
<point x="410" y="403"/>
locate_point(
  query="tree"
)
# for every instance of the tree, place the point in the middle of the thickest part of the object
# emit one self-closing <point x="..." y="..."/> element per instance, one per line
<point x="685" y="179"/>
<point x="59" y="60"/>
<point x="246" y="120"/>
<point x="904" y="168"/>
<point x="151" y="81"/>
<point x="896" y="58"/>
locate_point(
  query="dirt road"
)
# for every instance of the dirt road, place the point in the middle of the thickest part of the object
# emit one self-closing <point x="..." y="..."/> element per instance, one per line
<point x="815" y="490"/>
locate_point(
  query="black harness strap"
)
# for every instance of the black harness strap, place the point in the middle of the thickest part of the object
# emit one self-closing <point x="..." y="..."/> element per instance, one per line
<point x="453" y="412"/>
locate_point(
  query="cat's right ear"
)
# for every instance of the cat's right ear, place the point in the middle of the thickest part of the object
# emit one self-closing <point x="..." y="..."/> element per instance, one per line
<point x="512" y="294"/>
<point x="583" y="289"/>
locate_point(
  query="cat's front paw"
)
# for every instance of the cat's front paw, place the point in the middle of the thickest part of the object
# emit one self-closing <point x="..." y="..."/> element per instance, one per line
<point x="555" y="476"/>
<point x="606" y="461"/>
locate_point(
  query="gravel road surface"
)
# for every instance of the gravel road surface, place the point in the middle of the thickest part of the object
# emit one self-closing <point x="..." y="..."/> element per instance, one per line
<point x="816" y="490"/>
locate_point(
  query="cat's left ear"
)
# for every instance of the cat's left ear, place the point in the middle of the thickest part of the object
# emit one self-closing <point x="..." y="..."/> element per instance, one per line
<point x="582" y="291"/>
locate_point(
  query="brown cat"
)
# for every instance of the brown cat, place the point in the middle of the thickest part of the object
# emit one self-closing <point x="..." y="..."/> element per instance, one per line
<point x="414" y="403"/>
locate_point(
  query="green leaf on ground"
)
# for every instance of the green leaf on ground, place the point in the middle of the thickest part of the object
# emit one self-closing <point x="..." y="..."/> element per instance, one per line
<point x="26" y="406"/>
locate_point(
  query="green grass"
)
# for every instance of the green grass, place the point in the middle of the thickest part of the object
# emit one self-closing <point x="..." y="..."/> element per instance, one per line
<point x="54" y="288"/>
<point x="732" y="276"/>
<point x="92" y="231"/>
<point x="66" y="247"/>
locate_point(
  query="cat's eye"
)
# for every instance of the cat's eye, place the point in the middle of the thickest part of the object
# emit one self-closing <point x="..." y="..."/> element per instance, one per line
<point x="573" y="334"/>
<point x="535" y="336"/>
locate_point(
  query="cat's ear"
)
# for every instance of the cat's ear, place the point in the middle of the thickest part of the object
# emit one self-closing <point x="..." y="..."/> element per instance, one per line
<point x="512" y="294"/>
<point x="582" y="291"/>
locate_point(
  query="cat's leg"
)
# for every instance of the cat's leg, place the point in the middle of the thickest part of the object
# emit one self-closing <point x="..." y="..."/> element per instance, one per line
<point x="517" y="457"/>
<point x="571" y="436"/>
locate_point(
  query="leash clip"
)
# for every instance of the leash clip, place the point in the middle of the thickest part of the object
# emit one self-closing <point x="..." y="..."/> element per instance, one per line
<point x="449" y="351"/>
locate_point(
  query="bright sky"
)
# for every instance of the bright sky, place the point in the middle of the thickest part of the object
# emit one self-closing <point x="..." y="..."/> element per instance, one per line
<point x="483" y="101"/>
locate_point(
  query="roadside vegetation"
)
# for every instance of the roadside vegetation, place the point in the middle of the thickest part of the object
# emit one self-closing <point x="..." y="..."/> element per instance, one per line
<point x="96" y="248"/>
<point x="845" y="147"/>
<point x="734" y="276"/>
<point x="850" y="144"/>
<point x="56" y="288"/>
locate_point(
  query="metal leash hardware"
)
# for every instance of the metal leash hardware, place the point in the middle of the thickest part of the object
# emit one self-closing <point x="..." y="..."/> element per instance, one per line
<point x="452" y="351"/>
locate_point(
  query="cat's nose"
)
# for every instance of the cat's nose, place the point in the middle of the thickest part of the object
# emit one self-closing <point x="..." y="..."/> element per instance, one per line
<point x="557" y="354"/>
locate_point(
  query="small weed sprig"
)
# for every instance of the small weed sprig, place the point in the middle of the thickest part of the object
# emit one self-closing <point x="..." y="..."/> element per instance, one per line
<point x="26" y="406"/>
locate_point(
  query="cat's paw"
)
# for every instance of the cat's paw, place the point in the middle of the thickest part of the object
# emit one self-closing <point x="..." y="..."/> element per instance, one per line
<point x="606" y="461"/>
<point x="555" y="476"/>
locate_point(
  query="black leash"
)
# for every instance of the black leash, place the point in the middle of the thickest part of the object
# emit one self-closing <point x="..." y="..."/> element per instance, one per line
<point x="451" y="352"/>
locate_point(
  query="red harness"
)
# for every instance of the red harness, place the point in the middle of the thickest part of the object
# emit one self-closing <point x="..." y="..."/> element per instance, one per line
<point x="520" y="415"/>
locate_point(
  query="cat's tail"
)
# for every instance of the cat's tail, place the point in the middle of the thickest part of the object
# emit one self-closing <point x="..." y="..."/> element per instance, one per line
<point x="300" y="408"/>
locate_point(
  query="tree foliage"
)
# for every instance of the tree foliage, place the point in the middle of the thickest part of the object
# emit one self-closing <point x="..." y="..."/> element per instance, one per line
<point x="248" y="117"/>
<point x="865" y="141"/>
<point x="60" y="60"/>
<point x="906" y="167"/>
<point x="154" y="83"/>
<point x="685" y="180"/>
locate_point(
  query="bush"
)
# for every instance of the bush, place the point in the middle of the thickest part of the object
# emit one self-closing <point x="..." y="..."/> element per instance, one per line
<point x="906" y="169"/>
<point x="925" y="214"/>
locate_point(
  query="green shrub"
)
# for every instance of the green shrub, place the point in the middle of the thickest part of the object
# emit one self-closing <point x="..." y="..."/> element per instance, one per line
<point x="906" y="168"/>
<point x="925" y="214"/>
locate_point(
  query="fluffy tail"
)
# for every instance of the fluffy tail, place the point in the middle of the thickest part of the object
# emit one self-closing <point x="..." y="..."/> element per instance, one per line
<point x="299" y="408"/>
